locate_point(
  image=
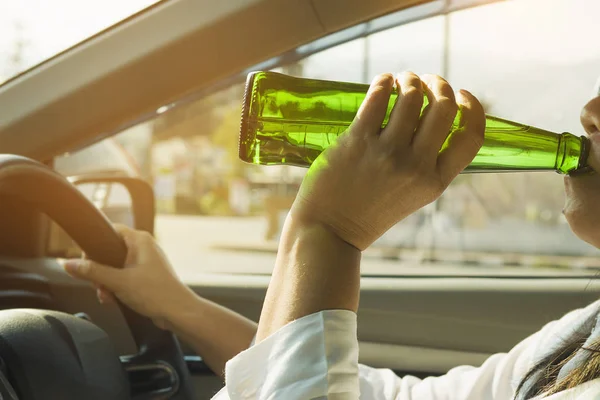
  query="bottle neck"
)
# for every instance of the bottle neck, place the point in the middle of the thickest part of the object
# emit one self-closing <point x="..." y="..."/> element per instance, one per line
<point x="510" y="146"/>
<point x="583" y="166"/>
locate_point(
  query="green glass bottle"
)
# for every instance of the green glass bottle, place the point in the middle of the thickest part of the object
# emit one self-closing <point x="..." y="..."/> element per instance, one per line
<point x="290" y="121"/>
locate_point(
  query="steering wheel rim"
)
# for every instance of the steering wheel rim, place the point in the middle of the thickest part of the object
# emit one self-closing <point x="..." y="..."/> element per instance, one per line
<point x="52" y="194"/>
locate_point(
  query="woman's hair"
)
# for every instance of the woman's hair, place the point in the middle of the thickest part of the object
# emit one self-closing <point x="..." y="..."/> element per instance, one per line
<point x="546" y="371"/>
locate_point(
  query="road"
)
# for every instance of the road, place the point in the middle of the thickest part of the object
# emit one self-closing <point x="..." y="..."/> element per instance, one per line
<point x="199" y="245"/>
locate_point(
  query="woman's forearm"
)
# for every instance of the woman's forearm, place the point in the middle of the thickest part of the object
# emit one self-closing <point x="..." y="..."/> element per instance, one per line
<point x="216" y="333"/>
<point x="315" y="271"/>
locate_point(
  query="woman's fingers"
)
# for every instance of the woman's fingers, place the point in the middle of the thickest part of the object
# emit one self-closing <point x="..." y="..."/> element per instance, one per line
<point x="93" y="272"/>
<point x="404" y="118"/>
<point x="104" y="295"/>
<point x="437" y="119"/>
<point x="466" y="141"/>
<point x="139" y="245"/>
<point x="130" y="237"/>
<point x="372" y="111"/>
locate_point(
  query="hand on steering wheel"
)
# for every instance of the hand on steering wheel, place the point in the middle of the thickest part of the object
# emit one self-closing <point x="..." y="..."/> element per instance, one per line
<point x="48" y="192"/>
<point x="147" y="283"/>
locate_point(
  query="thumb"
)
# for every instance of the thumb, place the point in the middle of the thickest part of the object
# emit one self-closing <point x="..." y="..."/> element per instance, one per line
<point x="93" y="272"/>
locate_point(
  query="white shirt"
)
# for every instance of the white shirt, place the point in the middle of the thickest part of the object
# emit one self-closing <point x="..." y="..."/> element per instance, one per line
<point x="316" y="357"/>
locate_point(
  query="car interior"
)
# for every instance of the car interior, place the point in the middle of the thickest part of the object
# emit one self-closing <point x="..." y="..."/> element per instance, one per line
<point x="58" y="342"/>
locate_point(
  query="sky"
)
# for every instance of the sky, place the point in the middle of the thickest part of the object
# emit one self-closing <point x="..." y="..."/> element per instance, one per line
<point x="51" y="26"/>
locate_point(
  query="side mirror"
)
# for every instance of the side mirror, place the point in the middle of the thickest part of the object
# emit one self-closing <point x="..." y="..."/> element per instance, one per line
<point x="123" y="199"/>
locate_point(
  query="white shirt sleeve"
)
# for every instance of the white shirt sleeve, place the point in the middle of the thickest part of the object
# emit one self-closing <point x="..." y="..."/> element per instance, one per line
<point x="316" y="357"/>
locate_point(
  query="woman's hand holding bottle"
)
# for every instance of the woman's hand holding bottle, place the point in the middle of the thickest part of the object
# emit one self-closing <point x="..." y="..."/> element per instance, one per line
<point x="371" y="178"/>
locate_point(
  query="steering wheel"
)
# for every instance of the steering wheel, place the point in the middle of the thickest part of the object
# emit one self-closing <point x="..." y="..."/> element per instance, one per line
<point x="31" y="182"/>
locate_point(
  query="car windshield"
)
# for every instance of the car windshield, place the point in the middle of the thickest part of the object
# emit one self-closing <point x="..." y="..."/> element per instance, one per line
<point x="214" y="208"/>
<point x="32" y="31"/>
